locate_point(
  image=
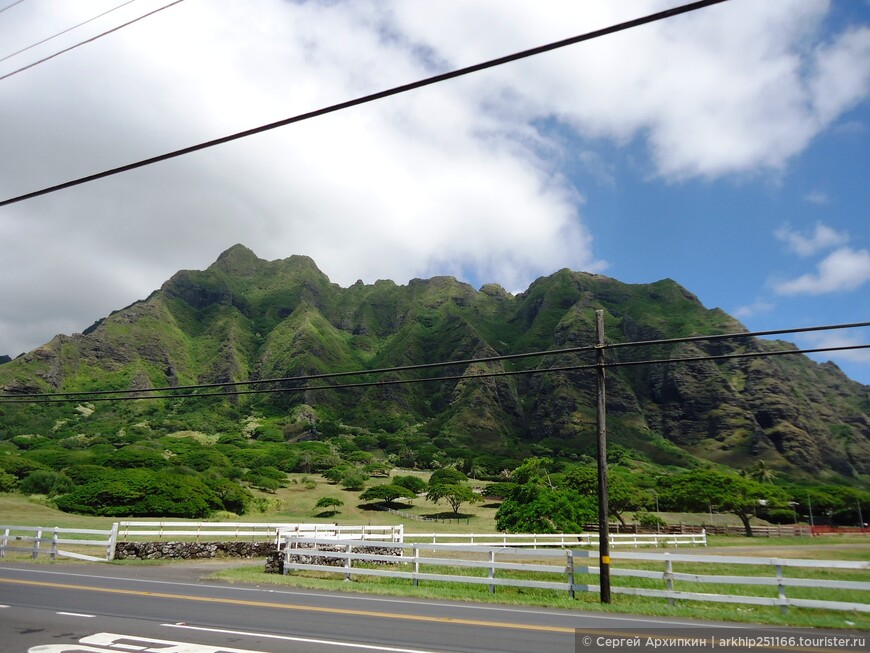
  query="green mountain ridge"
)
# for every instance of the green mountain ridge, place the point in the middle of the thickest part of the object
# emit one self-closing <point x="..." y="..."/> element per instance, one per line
<point x="244" y="318"/>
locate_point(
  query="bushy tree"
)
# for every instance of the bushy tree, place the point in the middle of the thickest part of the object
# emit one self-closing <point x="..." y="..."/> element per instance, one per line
<point x="536" y="508"/>
<point x="231" y="496"/>
<point x="622" y="494"/>
<point x="354" y="480"/>
<point x="699" y="490"/>
<point x="386" y="494"/>
<point x="446" y="476"/>
<point x="413" y="483"/>
<point x="140" y="493"/>
<point x="7" y="482"/>
<point x="44" y="481"/>
<point x="454" y="493"/>
<point x="500" y="490"/>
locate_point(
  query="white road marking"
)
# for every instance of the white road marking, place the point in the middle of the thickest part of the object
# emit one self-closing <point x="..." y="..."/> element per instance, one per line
<point x="306" y="640"/>
<point x="113" y="643"/>
<point x="78" y="614"/>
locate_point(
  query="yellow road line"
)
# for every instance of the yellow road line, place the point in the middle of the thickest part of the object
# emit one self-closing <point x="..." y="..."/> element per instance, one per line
<point x="296" y="607"/>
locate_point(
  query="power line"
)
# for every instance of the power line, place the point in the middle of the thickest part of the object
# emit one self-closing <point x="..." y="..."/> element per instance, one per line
<point x="17" y="2"/>
<point x="90" y="40"/>
<point x="65" y="397"/>
<point x="69" y="29"/>
<point x="396" y="90"/>
<point x="455" y="363"/>
<point x="434" y="379"/>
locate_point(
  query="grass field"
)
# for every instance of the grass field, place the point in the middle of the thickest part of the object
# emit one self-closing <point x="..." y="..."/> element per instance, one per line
<point x="295" y="503"/>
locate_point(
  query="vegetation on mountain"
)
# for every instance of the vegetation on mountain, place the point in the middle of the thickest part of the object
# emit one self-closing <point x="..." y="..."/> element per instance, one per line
<point x="792" y="424"/>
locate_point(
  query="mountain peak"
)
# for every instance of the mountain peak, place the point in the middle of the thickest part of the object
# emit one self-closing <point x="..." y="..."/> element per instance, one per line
<point x="238" y="259"/>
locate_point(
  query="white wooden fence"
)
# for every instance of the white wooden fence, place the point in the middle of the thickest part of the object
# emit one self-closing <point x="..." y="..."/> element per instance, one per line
<point x="37" y="540"/>
<point x="536" y="540"/>
<point x="43" y="540"/>
<point x="222" y="531"/>
<point x="570" y="564"/>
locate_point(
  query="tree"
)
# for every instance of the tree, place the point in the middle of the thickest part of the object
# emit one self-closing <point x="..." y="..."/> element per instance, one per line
<point x="622" y="494"/>
<point x="386" y="494"/>
<point x="329" y="506"/>
<point x="141" y="493"/>
<point x="759" y="472"/>
<point x="533" y="470"/>
<point x="454" y="493"/>
<point x="413" y="483"/>
<point x="535" y="508"/>
<point x="446" y="476"/>
<point x="701" y="490"/>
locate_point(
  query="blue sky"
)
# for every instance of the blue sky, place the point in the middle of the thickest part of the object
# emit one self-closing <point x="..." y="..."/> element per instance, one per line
<point x="728" y="149"/>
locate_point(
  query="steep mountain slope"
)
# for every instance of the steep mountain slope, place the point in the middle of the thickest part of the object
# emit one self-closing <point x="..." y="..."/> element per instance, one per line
<point x="245" y="318"/>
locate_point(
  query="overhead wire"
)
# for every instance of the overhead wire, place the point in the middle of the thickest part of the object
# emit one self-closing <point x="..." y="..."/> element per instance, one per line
<point x="17" y="2"/>
<point x="467" y="361"/>
<point x="69" y="29"/>
<point x="396" y="90"/>
<point x="138" y="394"/>
<point x="131" y="394"/>
<point x="90" y="40"/>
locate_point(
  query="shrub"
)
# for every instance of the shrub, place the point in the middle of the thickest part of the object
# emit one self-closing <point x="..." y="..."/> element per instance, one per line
<point x="649" y="519"/>
<point x="140" y="493"/>
<point x="46" y="482"/>
<point x="354" y="480"/>
<point x="413" y="483"/>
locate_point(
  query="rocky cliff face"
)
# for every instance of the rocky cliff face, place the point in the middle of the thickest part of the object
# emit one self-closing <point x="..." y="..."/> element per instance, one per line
<point x="245" y="318"/>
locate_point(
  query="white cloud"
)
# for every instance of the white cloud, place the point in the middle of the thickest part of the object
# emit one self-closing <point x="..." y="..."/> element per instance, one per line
<point x="465" y="177"/>
<point x="755" y="308"/>
<point x="817" y="197"/>
<point x="821" y="238"/>
<point x="844" y="269"/>
<point x="844" y="338"/>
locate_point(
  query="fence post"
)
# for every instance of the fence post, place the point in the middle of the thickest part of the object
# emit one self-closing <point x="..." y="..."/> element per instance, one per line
<point x="492" y="569"/>
<point x="113" y="542"/>
<point x="286" y="553"/>
<point x="36" y="543"/>
<point x="416" y="565"/>
<point x="347" y="563"/>
<point x="669" y="577"/>
<point x="5" y="543"/>
<point x="783" y="606"/>
<point x="53" y="552"/>
<point x="570" y="567"/>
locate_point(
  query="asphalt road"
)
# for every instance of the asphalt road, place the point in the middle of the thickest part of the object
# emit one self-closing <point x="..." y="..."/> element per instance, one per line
<point x="71" y="608"/>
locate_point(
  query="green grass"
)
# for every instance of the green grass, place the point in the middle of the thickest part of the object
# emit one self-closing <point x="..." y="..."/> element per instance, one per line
<point x="561" y="600"/>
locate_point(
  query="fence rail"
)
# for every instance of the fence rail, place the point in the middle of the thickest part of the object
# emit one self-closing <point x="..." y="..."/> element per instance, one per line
<point x="561" y="539"/>
<point x="253" y="530"/>
<point x="571" y="564"/>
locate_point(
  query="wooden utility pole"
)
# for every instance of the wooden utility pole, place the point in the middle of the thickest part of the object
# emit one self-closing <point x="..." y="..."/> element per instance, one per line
<point x="603" y="517"/>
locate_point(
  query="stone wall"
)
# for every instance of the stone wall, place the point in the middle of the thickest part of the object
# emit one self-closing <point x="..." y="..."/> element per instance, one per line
<point x="275" y="561"/>
<point x="192" y="550"/>
<point x="269" y="550"/>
